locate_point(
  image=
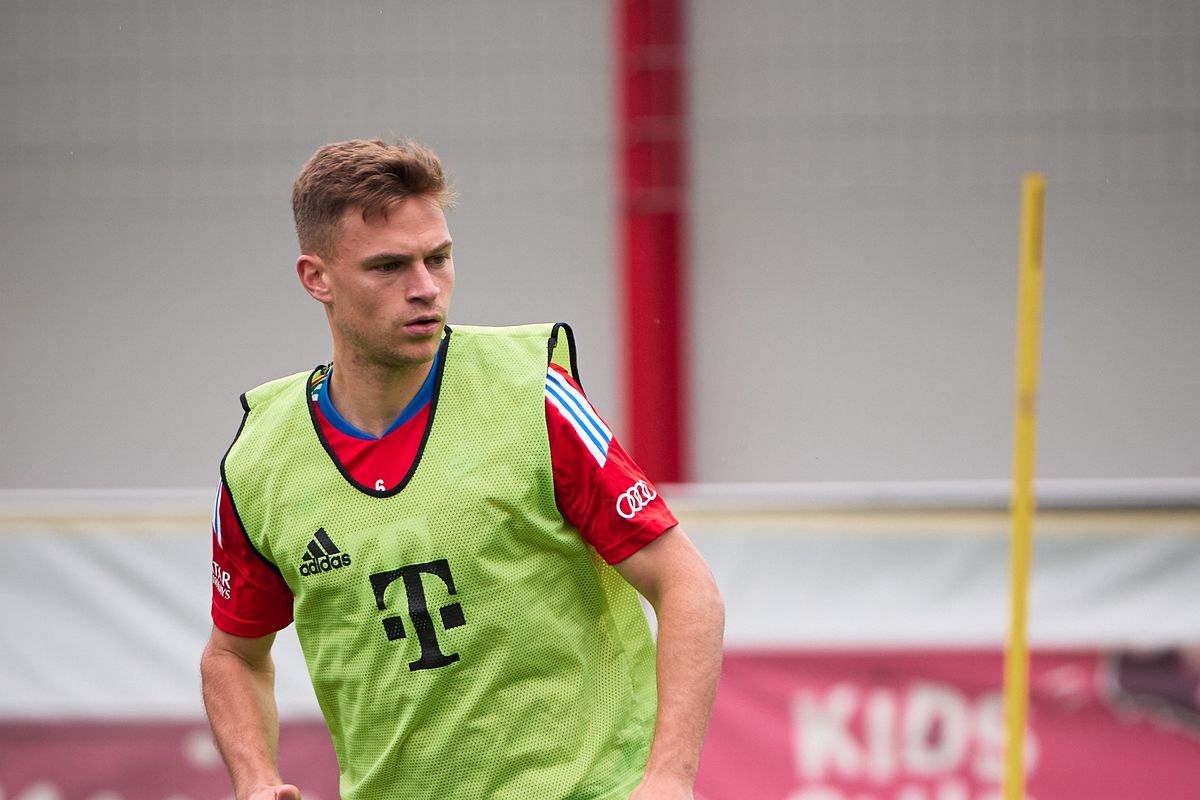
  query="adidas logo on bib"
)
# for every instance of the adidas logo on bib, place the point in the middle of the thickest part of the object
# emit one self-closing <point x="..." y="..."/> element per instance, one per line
<point x="322" y="555"/>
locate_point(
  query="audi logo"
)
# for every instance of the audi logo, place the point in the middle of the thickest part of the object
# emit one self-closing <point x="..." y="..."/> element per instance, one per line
<point x="634" y="499"/>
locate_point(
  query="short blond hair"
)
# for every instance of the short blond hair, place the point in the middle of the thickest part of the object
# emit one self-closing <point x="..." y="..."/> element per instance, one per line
<point x="371" y="174"/>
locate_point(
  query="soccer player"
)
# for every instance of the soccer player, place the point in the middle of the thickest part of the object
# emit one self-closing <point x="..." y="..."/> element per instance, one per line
<point x="457" y="534"/>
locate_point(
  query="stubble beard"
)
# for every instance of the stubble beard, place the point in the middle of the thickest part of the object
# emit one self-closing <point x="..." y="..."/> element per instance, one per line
<point x="385" y="353"/>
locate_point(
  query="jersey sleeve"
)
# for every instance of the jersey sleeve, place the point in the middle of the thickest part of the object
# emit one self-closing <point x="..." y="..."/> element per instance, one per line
<point x="249" y="597"/>
<point x="598" y="487"/>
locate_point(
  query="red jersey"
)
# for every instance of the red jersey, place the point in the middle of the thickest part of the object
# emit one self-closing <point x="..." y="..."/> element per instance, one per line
<point x="598" y="489"/>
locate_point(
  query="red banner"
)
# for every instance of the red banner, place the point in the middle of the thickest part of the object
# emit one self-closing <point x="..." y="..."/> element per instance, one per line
<point x="910" y="725"/>
<point x="146" y="761"/>
<point x="798" y="725"/>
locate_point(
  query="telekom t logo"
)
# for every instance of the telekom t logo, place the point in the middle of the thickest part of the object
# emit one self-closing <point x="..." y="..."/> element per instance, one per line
<point x="418" y="610"/>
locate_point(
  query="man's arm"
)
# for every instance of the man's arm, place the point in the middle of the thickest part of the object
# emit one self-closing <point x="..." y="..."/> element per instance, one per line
<point x="673" y="577"/>
<point x="239" y="695"/>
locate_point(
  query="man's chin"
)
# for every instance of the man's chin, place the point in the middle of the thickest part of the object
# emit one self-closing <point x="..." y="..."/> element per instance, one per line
<point x="414" y="356"/>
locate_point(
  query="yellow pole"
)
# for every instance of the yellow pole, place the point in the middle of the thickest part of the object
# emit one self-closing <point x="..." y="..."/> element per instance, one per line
<point x="1029" y="317"/>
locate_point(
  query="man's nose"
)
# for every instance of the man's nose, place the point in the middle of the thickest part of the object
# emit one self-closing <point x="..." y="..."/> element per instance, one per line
<point x="423" y="286"/>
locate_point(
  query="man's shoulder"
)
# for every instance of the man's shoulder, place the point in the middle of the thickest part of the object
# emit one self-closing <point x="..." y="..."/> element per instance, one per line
<point x="532" y="330"/>
<point x="267" y="393"/>
<point x="272" y="410"/>
<point x="543" y="342"/>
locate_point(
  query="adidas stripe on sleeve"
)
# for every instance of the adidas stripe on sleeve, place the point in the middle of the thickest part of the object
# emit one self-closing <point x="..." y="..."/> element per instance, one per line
<point x="576" y="411"/>
<point x="598" y="487"/>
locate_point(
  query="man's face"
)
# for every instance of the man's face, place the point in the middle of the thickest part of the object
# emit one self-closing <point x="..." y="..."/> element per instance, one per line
<point x="386" y="287"/>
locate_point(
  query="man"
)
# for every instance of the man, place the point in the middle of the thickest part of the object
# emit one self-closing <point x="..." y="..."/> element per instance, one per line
<point x="456" y="534"/>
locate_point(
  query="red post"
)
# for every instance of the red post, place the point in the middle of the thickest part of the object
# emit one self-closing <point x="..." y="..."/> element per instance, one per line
<point x="652" y="193"/>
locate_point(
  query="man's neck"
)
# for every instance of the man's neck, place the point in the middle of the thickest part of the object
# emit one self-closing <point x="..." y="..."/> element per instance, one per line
<point x="371" y="396"/>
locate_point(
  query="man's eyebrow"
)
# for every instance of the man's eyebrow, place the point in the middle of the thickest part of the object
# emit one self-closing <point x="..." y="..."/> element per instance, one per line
<point x="404" y="258"/>
<point x="387" y="258"/>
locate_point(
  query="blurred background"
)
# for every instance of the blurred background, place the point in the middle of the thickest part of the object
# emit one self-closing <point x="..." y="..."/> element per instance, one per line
<point x="832" y="188"/>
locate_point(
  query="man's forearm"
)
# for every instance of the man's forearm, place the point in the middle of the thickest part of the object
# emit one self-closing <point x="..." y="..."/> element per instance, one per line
<point x="691" y="618"/>
<point x="240" y="700"/>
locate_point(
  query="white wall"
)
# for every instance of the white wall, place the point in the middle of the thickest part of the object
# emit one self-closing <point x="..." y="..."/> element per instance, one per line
<point x="147" y="152"/>
<point x="856" y="170"/>
<point x="123" y="587"/>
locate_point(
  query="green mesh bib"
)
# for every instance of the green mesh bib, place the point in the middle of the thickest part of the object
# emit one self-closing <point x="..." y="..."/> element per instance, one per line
<point x="464" y="642"/>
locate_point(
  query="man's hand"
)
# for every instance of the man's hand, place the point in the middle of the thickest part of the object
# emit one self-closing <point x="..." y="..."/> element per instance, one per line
<point x="282" y="792"/>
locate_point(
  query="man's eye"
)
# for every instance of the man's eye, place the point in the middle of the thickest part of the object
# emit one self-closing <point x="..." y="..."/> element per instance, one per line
<point x="389" y="266"/>
<point x="439" y="260"/>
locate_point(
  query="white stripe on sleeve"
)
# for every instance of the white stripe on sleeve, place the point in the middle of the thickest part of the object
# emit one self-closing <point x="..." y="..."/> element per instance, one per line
<point x="577" y="411"/>
<point x="217" y="515"/>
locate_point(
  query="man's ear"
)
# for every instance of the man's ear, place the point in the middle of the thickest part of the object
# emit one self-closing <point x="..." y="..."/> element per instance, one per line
<point x="312" y="269"/>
